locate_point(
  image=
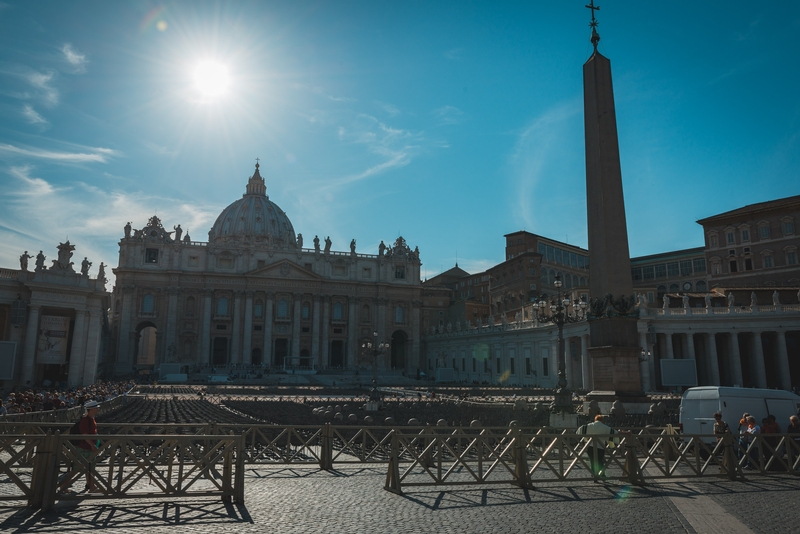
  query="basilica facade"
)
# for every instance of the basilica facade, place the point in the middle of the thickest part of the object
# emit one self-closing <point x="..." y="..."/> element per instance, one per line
<point x="253" y="295"/>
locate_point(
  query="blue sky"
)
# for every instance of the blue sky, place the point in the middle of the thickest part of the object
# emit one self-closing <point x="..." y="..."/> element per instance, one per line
<point x="449" y="123"/>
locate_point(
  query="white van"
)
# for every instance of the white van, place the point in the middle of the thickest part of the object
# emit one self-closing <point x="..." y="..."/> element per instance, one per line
<point x="699" y="404"/>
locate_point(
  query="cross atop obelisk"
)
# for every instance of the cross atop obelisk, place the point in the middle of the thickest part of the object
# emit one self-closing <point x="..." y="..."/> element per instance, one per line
<point x="594" y="23"/>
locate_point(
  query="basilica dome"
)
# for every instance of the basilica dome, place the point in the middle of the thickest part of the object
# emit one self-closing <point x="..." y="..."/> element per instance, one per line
<point x="253" y="218"/>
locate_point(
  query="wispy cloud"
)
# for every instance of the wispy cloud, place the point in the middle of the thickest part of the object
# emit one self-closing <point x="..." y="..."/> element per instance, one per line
<point x="74" y="58"/>
<point x="453" y="54"/>
<point x="32" y="116"/>
<point x="160" y="149"/>
<point x="541" y="154"/>
<point x="389" y="109"/>
<point x="41" y="81"/>
<point x="99" y="155"/>
<point x="39" y="215"/>
<point x="448" y="115"/>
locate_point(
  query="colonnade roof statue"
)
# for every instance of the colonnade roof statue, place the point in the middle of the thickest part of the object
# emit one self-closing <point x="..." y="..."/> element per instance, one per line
<point x="254" y="217"/>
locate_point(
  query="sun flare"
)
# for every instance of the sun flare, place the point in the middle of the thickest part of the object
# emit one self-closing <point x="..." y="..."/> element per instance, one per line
<point x="211" y="79"/>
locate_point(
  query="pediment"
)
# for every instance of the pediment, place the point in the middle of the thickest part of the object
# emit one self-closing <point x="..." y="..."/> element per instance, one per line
<point x="284" y="269"/>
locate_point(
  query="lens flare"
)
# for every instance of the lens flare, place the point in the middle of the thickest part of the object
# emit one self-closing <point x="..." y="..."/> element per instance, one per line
<point x="211" y="79"/>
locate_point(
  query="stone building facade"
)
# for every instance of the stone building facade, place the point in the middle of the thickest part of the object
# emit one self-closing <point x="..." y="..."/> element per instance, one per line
<point x="253" y="294"/>
<point x="53" y="321"/>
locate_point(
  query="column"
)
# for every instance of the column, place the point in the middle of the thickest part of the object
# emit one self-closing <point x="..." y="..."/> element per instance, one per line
<point x="236" y="345"/>
<point x="298" y="301"/>
<point x="586" y="367"/>
<point x="270" y="304"/>
<point x="644" y="367"/>
<point x="326" y="330"/>
<point x="736" y="360"/>
<point x="316" y="357"/>
<point x="92" y="348"/>
<point x="247" y="351"/>
<point x="669" y="353"/>
<point x="205" y="335"/>
<point x="125" y="357"/>
<point x="171" y="328"/>
<point x="352" y="335"/>
<point x="31" y="337"/>
<point x="783" y="361"/>
<point x="690" y="346"/>
<point x="758" y="360"/>
<point x="78" y="353"/>
<point x="713" y="361"/>
<point x="416" y="334"/>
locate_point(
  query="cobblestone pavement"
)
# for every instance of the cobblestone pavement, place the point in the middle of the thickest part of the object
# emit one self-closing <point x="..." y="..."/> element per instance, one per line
<point x="352" y="500"/>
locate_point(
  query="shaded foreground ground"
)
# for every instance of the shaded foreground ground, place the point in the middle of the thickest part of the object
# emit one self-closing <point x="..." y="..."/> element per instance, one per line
<point x="352" y="500"/>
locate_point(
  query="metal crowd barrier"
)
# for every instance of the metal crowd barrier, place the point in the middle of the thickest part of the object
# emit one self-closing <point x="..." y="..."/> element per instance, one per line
<point x="40" y="468"/>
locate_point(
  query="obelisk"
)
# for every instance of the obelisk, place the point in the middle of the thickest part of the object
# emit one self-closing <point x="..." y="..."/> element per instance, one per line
<point x="612" y="319"/>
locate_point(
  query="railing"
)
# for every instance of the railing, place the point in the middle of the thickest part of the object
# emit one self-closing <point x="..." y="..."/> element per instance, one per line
<point x="122" y="466"/>
<point x="209" y="459"/>
<point x="68" y="415"/>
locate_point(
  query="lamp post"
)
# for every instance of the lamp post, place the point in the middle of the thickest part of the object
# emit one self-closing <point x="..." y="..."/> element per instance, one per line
<point x="377" y="349"/>
<point x="561" y="311"/>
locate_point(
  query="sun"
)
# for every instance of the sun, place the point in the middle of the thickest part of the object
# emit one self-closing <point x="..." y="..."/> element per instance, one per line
<point x="211" y="79"/>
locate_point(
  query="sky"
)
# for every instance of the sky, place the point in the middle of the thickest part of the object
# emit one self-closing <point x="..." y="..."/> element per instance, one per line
<point x="450" y="123"/>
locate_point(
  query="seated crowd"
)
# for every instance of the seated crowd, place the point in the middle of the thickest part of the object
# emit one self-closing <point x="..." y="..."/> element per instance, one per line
<point x="40" y="399"/>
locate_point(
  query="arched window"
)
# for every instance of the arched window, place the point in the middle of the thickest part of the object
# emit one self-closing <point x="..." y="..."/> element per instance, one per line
<point x="258" y="309"/>
<point x="661" y="290"/>
<point x="399" y="315"/>
<point x="552" y="277"/>
<point x="190" y="306"/>
<point x="568" y="282"/>
<point x="222" y="306"/>
<point x="673" y="288"/>
<point x="148" y="303"/>
<point x="583" y="281"/>
<point x="283" y="309"/>
<point x="575" y="280"/>
<point x="701" y="286"/>
<point x="306" y="310"/>
<point x="365" y="313"/>
<point x="337" y="311"/>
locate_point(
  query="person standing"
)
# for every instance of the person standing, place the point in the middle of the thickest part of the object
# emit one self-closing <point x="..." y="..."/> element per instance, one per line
<point x="597" y="446"/>
<point x="750" y="441"/>
<point x="86" y="426"/>
<point x="720" y="426"/>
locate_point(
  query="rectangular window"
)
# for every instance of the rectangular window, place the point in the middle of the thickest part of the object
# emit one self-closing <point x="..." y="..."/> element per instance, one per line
<point x="713" y="240"/>
<point x="558" y="256"/>
<point x="686" y="267"/>
<point x="473" y="365"/>
<point x="763" y="232"/>
<point x="486" y="368"/>
<point x="734" y="267"/>
<point x="650" y="296"/>
<point x="649" y="272"/>
<point x="339" y="270"/>
<point x="672" y="269"/>
<point x="551" y="253"/>
<point x="511" y="365"/>
<point x="498" y="366"/>
<point x="545" y="367"/>
<point x="528" y="366"/>
<point x="400" y="272"/>
<point x="573" y="259"/>
<point x="532" y="271"/>
<point x="745" y="235"/>
<point x="151" y="255"/>
<point x="791" y="258"/>
<point x="768" y="262"/>
<point x="542" y="249"/>
<point x="731" y="238"/>
<point x="748" y="264"/>
<point x="699" y="265"/>
<point x="637" y="273"/>
<point x="463" y="364"/>
<point x="661" y="270"/>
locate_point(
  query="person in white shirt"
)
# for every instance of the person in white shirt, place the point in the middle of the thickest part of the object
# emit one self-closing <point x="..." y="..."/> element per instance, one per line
<point x="597" y="446"/>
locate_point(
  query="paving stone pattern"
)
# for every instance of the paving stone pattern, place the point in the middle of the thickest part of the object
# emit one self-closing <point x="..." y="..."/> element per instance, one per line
<point x="288" y="500"/>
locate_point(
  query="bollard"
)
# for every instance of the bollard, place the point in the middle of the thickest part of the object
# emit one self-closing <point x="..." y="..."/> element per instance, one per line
<point x="238" y="485"/>
<point x="632" y="470"/>
<point x="522" y="477"/>
<point x="326" y="454"/>
<point x="393" y="473"/>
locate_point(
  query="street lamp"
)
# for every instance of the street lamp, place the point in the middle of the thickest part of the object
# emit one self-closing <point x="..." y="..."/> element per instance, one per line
<point x="377" y="349"/>
<point x="560" y="311"/>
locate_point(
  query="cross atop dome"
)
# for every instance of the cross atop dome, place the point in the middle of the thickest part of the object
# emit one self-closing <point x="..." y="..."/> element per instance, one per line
<point x="256" y="185"/>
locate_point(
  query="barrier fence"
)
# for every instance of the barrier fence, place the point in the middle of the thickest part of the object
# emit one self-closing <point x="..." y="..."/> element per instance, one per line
<point x="176" y="460"/>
